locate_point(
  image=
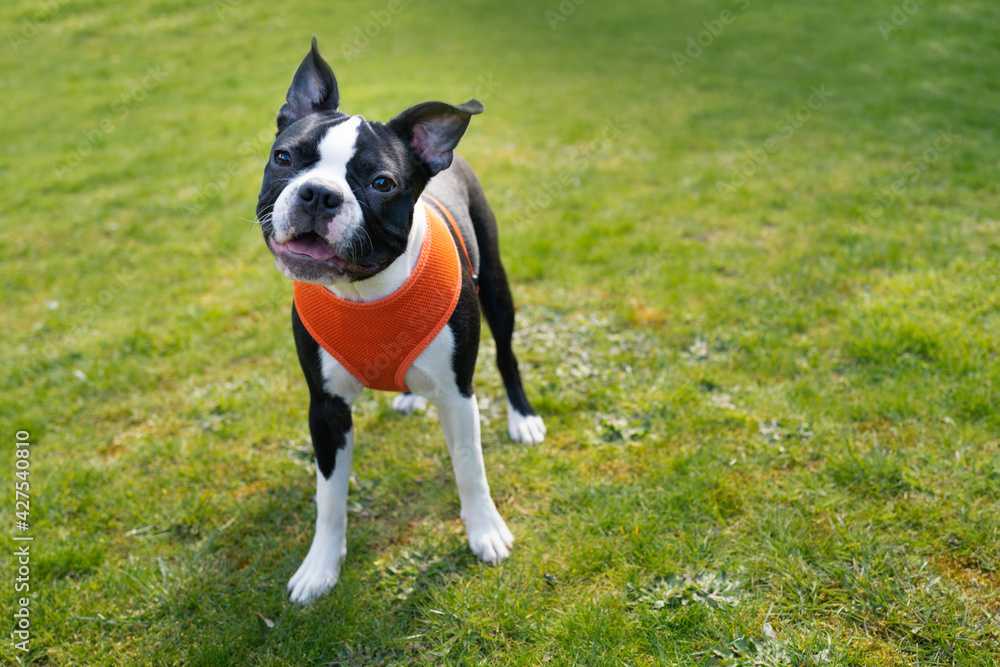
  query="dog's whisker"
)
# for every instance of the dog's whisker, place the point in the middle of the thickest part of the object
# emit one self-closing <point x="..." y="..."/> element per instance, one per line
<point x="370" y="242"/>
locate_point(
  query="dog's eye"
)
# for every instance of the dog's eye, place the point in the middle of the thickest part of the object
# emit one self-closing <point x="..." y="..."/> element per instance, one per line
<point x="384" y="184"/>
<point x="282" y="159"/>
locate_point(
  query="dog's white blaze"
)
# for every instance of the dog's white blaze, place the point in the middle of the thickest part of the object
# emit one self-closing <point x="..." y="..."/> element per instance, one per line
<point x="337" y="148"/>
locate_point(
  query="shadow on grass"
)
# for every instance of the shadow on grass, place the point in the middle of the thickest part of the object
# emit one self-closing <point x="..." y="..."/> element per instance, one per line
<point x="226" y="602"/>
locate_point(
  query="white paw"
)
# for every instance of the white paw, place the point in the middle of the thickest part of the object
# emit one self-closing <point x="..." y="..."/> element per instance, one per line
<point x="529" y="429"/>
<point x="488" y="535"/>
<point x="317" y="574"/>
<point x="409" y="403"/>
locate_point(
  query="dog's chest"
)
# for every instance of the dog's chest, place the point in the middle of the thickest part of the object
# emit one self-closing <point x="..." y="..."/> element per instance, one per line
<point x="377" y="342"/>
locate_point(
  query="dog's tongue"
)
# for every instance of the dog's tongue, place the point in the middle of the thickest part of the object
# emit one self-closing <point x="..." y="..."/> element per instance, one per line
<point x="312" y="245"/>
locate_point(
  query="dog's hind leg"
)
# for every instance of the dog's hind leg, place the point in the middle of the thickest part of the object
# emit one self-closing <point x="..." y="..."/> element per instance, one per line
<point x="407" y="403"/>
<point x="523" y="423"/>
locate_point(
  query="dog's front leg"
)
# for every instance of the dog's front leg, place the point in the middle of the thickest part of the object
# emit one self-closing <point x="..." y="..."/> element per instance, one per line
<point x="333" y="442"/>
<point x="488" y="534"/>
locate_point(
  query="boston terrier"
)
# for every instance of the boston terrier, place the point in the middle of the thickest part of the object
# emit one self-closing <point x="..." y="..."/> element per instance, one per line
<point x="393" y="248"/>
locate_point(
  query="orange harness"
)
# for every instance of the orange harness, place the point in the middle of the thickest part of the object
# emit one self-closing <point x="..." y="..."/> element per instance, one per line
<point x="378" y="341"/>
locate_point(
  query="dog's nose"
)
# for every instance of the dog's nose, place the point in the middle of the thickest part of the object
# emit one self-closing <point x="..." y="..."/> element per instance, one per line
<point x="320" y="200"/>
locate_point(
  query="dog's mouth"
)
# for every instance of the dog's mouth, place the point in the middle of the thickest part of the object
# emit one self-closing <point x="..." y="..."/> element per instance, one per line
<point x="313" y="245"/>
<point x="311" y="248"/>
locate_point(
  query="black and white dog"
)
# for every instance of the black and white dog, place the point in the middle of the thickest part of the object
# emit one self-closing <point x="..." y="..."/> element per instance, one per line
<point x="341" y="207"/>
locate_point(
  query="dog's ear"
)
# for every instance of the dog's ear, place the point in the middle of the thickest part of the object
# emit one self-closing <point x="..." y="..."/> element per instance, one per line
<point x="433" y="129"/>
<point x="314" y="88"/>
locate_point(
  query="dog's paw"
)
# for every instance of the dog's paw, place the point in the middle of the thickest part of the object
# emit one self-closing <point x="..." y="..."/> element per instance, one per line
<point x="529" y="429"/>
<point x="488" y="535"/>
<point x="409" y="403"/>
<point x="317" y="574"/>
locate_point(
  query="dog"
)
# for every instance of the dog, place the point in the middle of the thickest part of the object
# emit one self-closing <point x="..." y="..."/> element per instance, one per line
<point x="393" y="250"/>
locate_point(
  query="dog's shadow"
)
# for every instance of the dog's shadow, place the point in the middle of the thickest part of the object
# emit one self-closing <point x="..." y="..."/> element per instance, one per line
<point x="406" y="549"/>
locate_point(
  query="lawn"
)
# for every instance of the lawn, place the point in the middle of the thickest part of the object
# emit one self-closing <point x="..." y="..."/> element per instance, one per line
<point x="756" y="252"/>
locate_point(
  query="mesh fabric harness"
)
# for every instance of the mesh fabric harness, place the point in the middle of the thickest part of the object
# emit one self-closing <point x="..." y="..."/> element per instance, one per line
<point x="378" y="341"/>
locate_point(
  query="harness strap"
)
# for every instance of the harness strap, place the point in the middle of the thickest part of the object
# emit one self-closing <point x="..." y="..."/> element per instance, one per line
<point x="458" y="234"/>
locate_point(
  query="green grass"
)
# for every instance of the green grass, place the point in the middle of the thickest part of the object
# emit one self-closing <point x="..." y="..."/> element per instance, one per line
<point x="772" y="398"/>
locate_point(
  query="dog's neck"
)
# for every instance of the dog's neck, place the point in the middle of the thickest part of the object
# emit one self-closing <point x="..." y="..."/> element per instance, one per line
<point x="391" y="278"/>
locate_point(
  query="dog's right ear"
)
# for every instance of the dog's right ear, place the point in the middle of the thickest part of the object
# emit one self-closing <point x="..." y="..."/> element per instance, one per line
<point x="314" y="88"/>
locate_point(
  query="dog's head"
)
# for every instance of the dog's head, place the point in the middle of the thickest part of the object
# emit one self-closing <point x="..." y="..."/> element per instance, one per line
<point x="338" y="194"/>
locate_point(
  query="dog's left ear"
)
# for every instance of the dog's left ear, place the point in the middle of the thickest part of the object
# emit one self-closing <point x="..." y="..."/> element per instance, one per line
<point x="433" y="129"/>
<point x="314" y="88"/>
